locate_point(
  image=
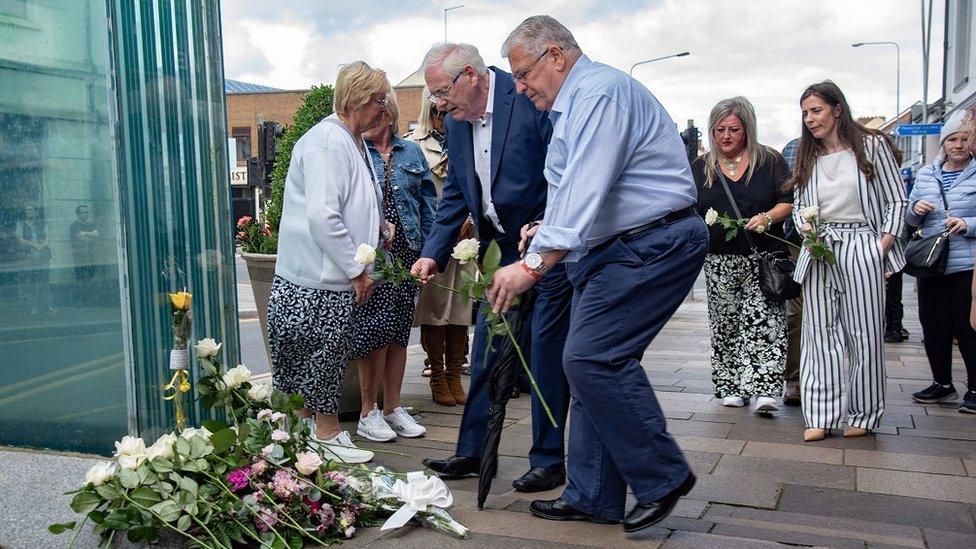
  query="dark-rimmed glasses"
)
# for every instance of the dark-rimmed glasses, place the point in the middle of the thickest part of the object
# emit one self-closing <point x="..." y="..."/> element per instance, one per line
<point x="434" y="96"/>
<point x="521" y="75"/>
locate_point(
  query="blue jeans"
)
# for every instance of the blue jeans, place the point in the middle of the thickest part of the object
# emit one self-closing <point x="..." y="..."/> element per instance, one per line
<point x="625" y="292"/>
<point x="544" y="337"/>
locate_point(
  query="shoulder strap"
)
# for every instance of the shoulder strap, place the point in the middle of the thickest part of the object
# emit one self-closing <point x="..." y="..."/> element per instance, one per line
<point x="945" y="201"/>
<point x="735" y="206"/>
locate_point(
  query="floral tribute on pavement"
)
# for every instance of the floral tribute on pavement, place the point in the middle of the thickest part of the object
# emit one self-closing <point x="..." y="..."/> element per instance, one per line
<point x="255" y="481"/>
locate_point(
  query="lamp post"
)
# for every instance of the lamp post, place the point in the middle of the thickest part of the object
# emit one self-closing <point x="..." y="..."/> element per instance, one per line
<point x="445" y="17"/>
<point x="682" y="54"/>
<point x="897" y="69"/>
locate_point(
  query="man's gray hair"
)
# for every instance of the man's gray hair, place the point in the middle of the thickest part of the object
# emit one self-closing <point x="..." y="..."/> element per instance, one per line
<point x="537" y="33"/>
<point x="453" y="57"/>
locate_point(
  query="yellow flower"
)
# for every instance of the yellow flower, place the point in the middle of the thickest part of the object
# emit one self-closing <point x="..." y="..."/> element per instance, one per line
<point x="180" y="300"/>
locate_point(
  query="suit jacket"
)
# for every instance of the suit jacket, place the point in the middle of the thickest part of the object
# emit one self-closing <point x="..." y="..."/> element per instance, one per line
<point x="883" y="204"/>
<point x="519" y="137"/>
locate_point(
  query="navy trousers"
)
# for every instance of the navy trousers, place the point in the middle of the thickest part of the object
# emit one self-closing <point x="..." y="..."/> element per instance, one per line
<point x="624" y="293"/>
<point x="546" y="332"/>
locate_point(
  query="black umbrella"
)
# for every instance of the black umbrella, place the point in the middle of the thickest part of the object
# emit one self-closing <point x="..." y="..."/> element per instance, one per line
<point x="502" y="379"/>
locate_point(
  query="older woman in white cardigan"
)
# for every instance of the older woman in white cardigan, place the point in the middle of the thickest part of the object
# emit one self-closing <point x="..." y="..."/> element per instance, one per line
<point x="332" y="204"/>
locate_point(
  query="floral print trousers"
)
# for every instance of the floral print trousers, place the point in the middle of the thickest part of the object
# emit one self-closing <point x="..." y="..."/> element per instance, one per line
<point x="748" y="330"/>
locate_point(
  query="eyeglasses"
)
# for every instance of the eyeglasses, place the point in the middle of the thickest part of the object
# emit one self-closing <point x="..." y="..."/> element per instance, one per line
<point x="521" y="75"/>
<point x="382" y="102"/>
<point x="434" y="96"/>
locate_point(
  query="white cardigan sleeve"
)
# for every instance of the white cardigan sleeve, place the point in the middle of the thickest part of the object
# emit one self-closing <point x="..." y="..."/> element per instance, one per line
<point x="328" y="174"/>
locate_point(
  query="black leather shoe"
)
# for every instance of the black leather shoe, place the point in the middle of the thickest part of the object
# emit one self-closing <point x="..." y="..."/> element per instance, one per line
<point x="540" y="479"/>
<point x="646" y="514"/>
<point x="557" y="509"/>
<point x="454" y="467"/>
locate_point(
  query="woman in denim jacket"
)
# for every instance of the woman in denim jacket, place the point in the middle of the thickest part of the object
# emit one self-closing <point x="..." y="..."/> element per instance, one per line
<point x="380" y="346"/>
<point x="944" y="300"/>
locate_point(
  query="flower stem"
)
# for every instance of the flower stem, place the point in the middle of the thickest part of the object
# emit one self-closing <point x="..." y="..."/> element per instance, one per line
<point x="77" y="531"/>
<point x="207" y="530"/>
<point x="528" y="372"/>
<point x="168" y="525"/>
<point x="781" y="240"/>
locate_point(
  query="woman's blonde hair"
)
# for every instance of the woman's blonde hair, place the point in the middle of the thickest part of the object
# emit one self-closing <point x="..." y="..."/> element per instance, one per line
<point x="393" y="110"/>
<point x="355" y="84"/>
<point x="742" y="109"/>
<point x="426" y="110"/>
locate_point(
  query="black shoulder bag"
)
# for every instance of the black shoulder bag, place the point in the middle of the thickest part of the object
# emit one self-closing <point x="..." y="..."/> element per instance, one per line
<point x="775" y="272"/>
<point x="928" y="255"/>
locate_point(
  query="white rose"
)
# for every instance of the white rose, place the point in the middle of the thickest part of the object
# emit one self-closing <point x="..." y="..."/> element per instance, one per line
<point x="163" y="447"/>
<point x="259" y="392"/>
<point x="465" y="250"/>
<point x="100" y="472"/>
<point x="131" y="461"/>
<point x="265" y="415"/>
<point x="130" y="446"/>
<point x="277" y="416"/>
<point x="307" y="462"/>
<point x="365" y="254"/>
<point x="207" y="347"/>
<point x="711" y="216"/>
<point x="760" y="228"/>
<point x="190" y="432"/>
<point x="280" y="436"/>
<point x="809" y="213"/>
<point x="234" y="377"/>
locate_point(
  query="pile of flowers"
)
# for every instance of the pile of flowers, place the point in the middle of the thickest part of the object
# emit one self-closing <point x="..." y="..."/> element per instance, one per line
<point x="254" y="237"/>
<point x="255" y="480"/>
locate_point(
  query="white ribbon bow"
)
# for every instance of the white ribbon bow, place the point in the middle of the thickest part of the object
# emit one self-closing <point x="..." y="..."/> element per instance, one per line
<point x="419" y="492"/>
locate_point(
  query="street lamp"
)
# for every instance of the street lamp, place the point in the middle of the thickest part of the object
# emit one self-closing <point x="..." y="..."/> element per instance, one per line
<point x="445" y="17"/>
<point x="897" y="69"/>
<point x="682" y="54"/>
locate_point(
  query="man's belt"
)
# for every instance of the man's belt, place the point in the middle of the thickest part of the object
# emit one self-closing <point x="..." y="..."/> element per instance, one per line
<point x="660" y="222"/>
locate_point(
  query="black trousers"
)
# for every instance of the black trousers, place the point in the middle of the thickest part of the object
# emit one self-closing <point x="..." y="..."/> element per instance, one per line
<point x="943" y="309"/>
<point x="894" y="311"/>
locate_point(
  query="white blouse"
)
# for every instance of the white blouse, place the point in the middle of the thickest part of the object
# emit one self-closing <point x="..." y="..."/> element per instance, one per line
<point x="837" y="181"/>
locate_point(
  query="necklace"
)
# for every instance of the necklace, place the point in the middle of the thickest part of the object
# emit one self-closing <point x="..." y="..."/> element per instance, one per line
<point x="732" y="165"/>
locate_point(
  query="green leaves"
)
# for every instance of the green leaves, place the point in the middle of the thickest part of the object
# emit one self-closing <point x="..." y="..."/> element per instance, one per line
<point x="145" y="496"/>
<point x="128" y="478"/>
<point x="168" y="510"/>
<point x="223" y="439"/>
<point x="85" y="502"/>
<point x="493" y="258"/>
<point x="60" y="528"/>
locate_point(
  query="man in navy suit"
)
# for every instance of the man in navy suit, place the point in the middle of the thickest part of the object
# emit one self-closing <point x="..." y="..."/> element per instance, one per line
<point x="497" y="148"/>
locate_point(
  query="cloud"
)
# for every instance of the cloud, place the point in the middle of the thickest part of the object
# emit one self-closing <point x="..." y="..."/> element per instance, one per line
<point x="766" y="50"/>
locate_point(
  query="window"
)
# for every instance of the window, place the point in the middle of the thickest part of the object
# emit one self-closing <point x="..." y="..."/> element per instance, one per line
<point x="243" y="137"/>
<point x="14" y="8"/>
<point x="964" y="24"/>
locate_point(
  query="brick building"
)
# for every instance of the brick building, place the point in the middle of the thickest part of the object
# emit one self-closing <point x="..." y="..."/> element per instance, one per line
<point x="248" y="105"/>
<point x="408" y="93"/>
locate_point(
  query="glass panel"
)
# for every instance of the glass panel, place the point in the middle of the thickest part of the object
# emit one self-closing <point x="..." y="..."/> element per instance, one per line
<point x="963" y="24"/>
<point x="61" y="346"/>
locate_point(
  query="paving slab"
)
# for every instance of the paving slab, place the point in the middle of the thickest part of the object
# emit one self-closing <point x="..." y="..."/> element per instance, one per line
<point x="699" y="540"/>
<point x="737" y="490"/>
<point x="791" y="538"/>
<point x="709" y="444"/>
<point x="904" y="462"/>
<point x="794" y="452"/>
<point x="922" y="446"/>
<point x="787" y="472"/>
<point x="886" y="509"/>
<point x="940" y="539"/>
<point x="919" y="485"/>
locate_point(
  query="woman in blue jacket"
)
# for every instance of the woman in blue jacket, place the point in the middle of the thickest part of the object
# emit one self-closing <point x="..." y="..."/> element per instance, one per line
<point x="944" y="300"/>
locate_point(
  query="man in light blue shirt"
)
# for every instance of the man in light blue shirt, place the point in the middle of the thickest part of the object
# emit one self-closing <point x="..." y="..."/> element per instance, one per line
<point x="621" y="216"/>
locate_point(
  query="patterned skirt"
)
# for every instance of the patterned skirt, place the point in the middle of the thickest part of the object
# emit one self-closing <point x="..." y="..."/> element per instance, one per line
<point x="310" y="332"/>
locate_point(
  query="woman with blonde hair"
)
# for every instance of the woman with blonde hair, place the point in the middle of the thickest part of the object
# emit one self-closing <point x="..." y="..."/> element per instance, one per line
<point x="849" y="194"/>
<point x="443" y="316"/>
<point x="743" y="178"/>
<point x="332" y="204"/>
<point x="383" y="333"/>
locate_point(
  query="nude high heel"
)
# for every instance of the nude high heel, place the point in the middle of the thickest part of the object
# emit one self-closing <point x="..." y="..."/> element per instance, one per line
<point x="852" y="432"/>
<point x="813" y="435"/>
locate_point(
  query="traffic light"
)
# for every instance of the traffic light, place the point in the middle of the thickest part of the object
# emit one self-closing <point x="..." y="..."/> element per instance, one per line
<point x="268" y="133"/>
<point x="691" y="138"/>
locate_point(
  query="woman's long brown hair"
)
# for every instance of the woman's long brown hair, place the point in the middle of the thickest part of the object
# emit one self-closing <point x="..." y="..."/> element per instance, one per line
<point x="849" y="131"/>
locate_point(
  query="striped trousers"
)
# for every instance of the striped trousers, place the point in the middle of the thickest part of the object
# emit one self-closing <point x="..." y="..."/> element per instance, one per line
<point x="843" y="324"/>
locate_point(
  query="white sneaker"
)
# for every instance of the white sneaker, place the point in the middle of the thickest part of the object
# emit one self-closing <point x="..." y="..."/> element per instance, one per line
<point x="765" y="405"/>
<point x="341" y="448"/>
<point x="404" y="424"/>
<point x="374" y="427"/>
<point x="733" y="402"/>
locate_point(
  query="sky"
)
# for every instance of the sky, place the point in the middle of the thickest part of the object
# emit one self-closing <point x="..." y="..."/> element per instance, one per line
<point x="765" y="50"/>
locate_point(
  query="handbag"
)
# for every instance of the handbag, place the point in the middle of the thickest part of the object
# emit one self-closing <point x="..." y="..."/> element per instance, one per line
<point x="928" y="255"/>
<point x="775" y="271"/>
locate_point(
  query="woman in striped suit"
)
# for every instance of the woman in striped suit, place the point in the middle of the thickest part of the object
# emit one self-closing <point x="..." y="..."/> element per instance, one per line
<point x="849" y="174"/>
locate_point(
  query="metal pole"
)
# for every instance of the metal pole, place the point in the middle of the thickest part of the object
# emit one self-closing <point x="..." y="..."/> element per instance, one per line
<point x="897" y="69"/>
<point x="445" y="18"/>
<point x="926" y="41"/>
<point x="682" y="54"/>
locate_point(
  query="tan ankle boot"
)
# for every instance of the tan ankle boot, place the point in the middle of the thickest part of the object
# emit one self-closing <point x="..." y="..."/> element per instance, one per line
<point x="456" y="344"/>
<point x="432" y="340"/>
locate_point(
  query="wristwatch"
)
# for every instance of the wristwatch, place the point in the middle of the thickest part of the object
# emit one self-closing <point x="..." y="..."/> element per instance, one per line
<point x="533" y="261"/>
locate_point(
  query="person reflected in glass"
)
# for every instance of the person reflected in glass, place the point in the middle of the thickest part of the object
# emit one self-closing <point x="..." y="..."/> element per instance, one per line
<point x="35" y="277"/>
<point x="383" y="332"/>
<point x="84" y="239"/>
<point x="443" y="316"/>
<point x="944" y="300"/>
<point x="748" y="329"/>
